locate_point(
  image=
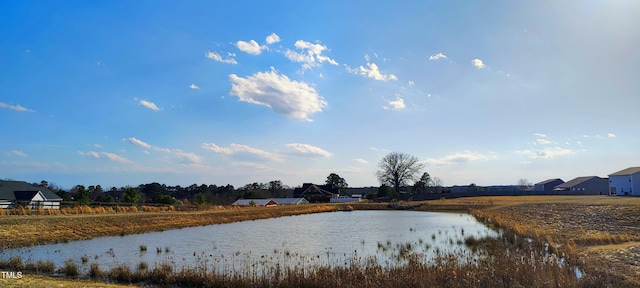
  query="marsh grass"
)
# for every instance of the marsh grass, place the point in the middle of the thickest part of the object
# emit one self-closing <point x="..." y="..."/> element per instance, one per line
<point x="70" y="269"/>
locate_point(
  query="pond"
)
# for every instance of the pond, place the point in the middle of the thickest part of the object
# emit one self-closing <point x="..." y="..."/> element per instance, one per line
<point x="312" y="240"/>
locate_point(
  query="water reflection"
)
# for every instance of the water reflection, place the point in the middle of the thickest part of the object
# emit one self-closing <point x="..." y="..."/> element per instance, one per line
<point x="335" y="239"/>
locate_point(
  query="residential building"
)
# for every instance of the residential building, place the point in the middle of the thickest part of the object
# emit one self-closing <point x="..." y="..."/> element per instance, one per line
<point x="589" y="185"/>
<point x="20" y="193"/>
<point x="316" y="193"/>
<point x="547" y="185"/>
<point x="625" y="182"/>
<point x="255" y="202"/>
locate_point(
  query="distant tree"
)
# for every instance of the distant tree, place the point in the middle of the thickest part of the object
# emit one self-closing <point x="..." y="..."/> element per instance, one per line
<point x="164" y="199"/>
<point x="201" y="198"/>
<point x="472" y="187"/>
<point x="82" y="195"/>
<point x="436" y="184"/>
<point x="423" y="185"/>
<point x="131" y="196"/>
<point x="338" y="182"/>
<point x="396" y="169"/>
<point x="524" y="184"/>
<point x="383" y="190"/>
<point x="276" y="188"/>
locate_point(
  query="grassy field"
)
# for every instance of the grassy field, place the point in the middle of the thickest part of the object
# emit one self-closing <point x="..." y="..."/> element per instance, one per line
<point x="598" y="234"/>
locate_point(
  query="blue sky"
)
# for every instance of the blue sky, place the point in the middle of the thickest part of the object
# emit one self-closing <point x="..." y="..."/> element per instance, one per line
<point x="180" y="92"/>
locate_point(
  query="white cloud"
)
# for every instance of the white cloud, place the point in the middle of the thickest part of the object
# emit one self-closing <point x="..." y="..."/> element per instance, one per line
<point x="104" y="155"/>
<point x="18" y="153"/>
<point x="611" y="135"/>
<point x="186" y="157"/>
<point x="149" y="105"/>
<point x="251" y="47"/>
<point x="183" y="157"/>
<point x="411" y="83"/>
<point x="284" y="96"/>
<point x="310" y="55"/>
<point x="372" y="71"/>
<point x="456" y="158"/>
<point x="15" y="107"/>
<point x="397" y="104"/>
<point x="542" y="141"/>
<point x="540" y="135"/>
<point x="242" y="150"/>
<point x="361" y="161"/>
<point x="478" y="63"/>
<point x="309" y="149"/>
<point x="194" y="86"/>
<point x="216" y="57"/>
<point x="273" y="38"/>
<point x="137" y="142"/>
<point x="546" y="153"/>
<point x="437" y="56"/>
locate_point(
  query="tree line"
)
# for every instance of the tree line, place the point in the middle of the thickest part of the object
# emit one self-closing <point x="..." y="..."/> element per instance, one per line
<point x="398" y="173"/>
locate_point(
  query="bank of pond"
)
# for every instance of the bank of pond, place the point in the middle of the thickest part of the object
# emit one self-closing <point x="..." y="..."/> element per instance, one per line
<point x="381" y="248"/>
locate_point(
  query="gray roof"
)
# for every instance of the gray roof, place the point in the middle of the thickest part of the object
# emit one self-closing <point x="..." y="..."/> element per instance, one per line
<point x="8" y="189"/>
<point x="257" y="202"/>
<point x="290" y="201"/>
<point x="577" y="181"/>
<point x="627" y="172"/>
<point x="549" y="181"/>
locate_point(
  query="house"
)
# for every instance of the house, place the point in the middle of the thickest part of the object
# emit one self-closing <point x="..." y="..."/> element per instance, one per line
<point x="316" y="193"/>
<point x="255" y="202"/>
<point x="547" y="185"/>
<point x="625" y="182"/>
<point x="20" y="193"/>
<point x="290" y="201"/>
<point x="589" y="185"/>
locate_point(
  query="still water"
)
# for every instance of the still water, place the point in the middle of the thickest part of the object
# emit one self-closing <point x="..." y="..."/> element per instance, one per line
<point x="336" y="238"/>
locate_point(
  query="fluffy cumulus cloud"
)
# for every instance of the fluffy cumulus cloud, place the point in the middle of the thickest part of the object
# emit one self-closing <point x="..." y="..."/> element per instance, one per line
<point x="372" y="71"/>
<point x="309" y="149"/>
<point x="546" y="153"/>
<point x="273" y="38"/>
<point x="309" y="54"/>
<point x="104" y="155"/>
<point x="437" y="56"/>
<point x="149" y="105"/>
<point x="181" y="156"/>
<point x="611" y="135"/>
<point x="456" y="158"/>
<point x="15" y="107"/>
<point x="478" y="63"/>
<point x="243" y="151"/>
<point x="194" y="86"/>
<point x="252" y="47"/>
<point x="217" y="57"/>
<point x="284" y="96"/>
<point x="396" y="104"/>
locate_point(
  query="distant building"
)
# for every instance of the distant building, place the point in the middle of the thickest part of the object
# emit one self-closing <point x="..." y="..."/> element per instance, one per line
<point x="290" y="201"/>
<point x="255" y="202"/>
<point x="20" y="193"/>
<point x="547" y="185"/>
<point x="316" y="193"/>
<point x="625" y="182"/>
<point x="589" y="185"/>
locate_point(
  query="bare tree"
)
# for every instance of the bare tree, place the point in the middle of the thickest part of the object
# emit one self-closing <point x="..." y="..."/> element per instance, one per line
<point x="524" y="184"/>
<point x="396" y="169"/>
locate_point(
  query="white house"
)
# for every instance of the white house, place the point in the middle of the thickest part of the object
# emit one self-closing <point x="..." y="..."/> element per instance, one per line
<point x="625" y="182"/>
<point x="20" y="193"/>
